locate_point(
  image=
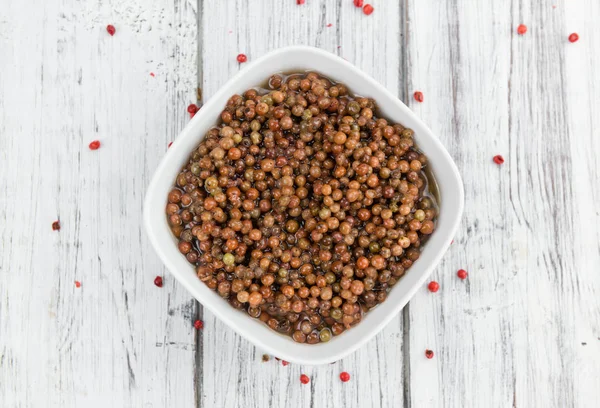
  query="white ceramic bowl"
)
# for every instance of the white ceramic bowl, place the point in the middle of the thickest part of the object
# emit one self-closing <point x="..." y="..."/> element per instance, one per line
<point x="298" y="59"/>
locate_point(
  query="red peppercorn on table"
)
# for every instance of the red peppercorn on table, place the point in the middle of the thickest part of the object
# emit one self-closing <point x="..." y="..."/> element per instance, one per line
<point x="82" y="322"/>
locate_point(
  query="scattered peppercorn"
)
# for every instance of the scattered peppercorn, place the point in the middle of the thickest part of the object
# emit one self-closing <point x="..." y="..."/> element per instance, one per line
<point x="418" y="96"/>
<point x="284" y="363"/>
<point x="169" y="145"/>
<point x="56" y="226"/>
<point x="433" y="286"/>
<point x="198" y="324"/>
<point x="522" y="29"/>
<point x="192" y="108"/>
<point x="368" y="9"/>
<point x="498" y="159"/>
<point x="304" y="379"/>
<point x="573" y="37"/>
<point x="329" y="25"/>
<point x="111" y="29"/>
<point x="462" y="274"/>
<point x="358" y="3"/>
<point x="429" y="354"/>
<point x="242" y="58"/>
<point x="302" y="207"/>
<point x="299" y="2"/>
<point x="77" y="284"/>
<point x="95" y="145"/>
<point x="158" y="281"/>
<point x="265" y="358"/>
<point x="344" y="376"/>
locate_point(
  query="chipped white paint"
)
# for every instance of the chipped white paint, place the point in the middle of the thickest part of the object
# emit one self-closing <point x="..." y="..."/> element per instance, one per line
<point x="513" y="334"/>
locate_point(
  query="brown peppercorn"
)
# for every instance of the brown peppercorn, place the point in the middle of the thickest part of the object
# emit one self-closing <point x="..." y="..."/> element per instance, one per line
<point x="184" y="247"/>
<point x="427" y="227"/>
<point x="255" y="235"/>
<point x="357" y="287"/>
<point x="254" y="299"/>
<point x="303" y="206"/>
<point x="362" y="262"/>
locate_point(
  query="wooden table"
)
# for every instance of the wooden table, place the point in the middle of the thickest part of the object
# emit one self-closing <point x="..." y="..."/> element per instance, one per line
<point x="523" y="330"/>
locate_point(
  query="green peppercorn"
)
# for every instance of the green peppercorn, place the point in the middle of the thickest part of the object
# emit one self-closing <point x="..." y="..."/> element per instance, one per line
<point x="408" y="133"/>
<point x="419" y="215"/>
<point x="255" y="137"/>
<point x="325" y="213"/>
<point x="325" y="335"/>
<point x="353" y="108"/>
<point x="255" y="126"/>
<point x="229" y="259"/>
<point x="211" y="183"/>
<point x="329" y="277"/>
<point x="267" y="99"/>
<point x="426" y="203"/>
<point x="336" y="313"/>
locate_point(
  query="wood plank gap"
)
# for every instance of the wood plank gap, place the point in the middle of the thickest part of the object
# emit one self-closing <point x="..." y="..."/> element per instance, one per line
<point x="403" y="94"/>
<point x="404" y="55"/>
<point x="199" y="356"/>
<point x="200" y="41"/>
<point x="406" y="356"/>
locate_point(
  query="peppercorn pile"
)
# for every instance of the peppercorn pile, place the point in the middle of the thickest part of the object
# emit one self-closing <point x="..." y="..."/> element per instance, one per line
<point x="301" y="207"/>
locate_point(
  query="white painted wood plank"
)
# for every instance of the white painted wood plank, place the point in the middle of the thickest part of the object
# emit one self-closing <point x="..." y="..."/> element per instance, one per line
<point x="461" y="66"/>
<point x="511" y="335"/>
<point x="232" y="373"/>
<point x="118" y="340"/>
<point x="581" y="93"/>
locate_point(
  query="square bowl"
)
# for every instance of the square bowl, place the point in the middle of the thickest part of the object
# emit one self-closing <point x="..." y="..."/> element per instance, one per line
<point x="300" y="59"/>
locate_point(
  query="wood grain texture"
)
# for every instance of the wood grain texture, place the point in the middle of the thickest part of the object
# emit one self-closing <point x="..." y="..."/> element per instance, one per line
<point x="233" y="375"/>
<point x="513" y="334"/>
<point x="523" y="330"/>
<point x="118" y="340"/>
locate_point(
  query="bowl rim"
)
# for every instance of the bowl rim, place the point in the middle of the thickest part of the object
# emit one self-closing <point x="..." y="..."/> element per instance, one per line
<point x="251" y="329"/>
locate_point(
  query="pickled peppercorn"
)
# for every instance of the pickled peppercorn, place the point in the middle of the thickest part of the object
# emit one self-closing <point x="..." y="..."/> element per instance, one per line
<point x="302" y="207"/>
